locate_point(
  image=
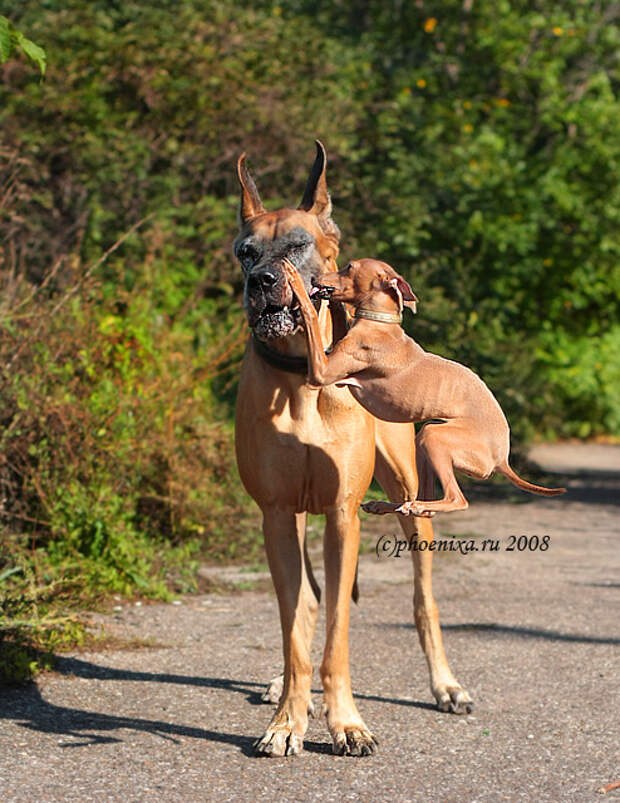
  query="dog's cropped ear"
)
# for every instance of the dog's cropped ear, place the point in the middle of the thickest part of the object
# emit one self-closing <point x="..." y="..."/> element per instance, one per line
<point x="251" y="204"/>
<point x="316" y="198"/>
<point x="404" y="293"/>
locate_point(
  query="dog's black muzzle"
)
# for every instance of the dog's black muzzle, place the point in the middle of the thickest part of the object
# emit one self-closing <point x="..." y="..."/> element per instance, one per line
<point x="270" y="305"/>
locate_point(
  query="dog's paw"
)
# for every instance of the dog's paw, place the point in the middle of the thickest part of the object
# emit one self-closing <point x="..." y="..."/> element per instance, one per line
<point x="453" y="699"/>
<point x="414" y="509"/>
<point x="379" y="508"/>
<point x="354" y="742"/>
<point x="279" y="740"/>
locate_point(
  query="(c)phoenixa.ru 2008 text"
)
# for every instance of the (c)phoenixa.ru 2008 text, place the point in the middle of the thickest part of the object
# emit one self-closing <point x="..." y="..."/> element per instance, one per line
<point x="390" y="546"/>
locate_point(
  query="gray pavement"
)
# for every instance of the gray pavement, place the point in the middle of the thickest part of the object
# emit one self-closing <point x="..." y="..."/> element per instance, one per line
<point x="533" y="635"/>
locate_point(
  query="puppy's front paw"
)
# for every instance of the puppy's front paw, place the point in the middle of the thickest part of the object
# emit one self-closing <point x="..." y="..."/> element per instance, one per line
<point x="296" y="283"/>
<point x="291" y="273"/>
<point x="379" y="508"/>
<point x="414" y="508"/>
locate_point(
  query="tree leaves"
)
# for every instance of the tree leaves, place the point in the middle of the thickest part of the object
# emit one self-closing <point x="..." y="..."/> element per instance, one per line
<point x="12" y="40"/>
<point x="480" y="157"/>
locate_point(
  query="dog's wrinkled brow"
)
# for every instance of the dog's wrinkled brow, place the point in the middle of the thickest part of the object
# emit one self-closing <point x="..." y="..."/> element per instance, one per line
<point x="297" y="237"/>
<point x="250" y="240"/>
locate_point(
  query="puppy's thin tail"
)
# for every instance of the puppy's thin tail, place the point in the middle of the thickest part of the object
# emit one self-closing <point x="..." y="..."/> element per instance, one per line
<point x="525" y="485"/>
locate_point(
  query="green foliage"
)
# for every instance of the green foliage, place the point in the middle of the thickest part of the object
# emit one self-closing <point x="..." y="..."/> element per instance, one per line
<point x="472" y="145"/>
<point x="146" y="109"/>
<point x="30" y="630"/>
<point x="116" y="463"/>
<point x="112" y="441"/>
<point x="490" y="176"/>
<point x="12" y="40"/>
<point x="583" y="371"/>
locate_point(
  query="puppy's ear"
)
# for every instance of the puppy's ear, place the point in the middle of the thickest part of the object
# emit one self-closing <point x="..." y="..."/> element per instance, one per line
<point x="405" y="295"/>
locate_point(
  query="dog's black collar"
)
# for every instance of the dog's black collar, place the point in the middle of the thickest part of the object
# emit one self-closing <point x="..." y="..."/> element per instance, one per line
<point x="283" y="362"/>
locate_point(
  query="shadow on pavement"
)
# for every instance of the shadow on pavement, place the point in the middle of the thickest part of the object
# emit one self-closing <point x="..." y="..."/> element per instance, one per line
<point x="522" y="632"/>
<point x="526" y="632"/>
<point x="29" y="709"/>
<point x="77" y="667"/>
<point x="590" y="489"/>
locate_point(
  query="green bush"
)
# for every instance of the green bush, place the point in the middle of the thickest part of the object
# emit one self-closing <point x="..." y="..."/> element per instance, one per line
<point x="30" y="629"/>
<point x="472" y="145"/>
<point x="115" y="460"/>
<point x="489" y="174"/>
<point x="13" y="41"/>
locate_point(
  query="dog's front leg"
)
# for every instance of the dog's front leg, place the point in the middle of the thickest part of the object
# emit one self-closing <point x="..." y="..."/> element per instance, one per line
<point x="322" y="370"/>
<point x="317" y="360"/>
<point x="284" y="535"/>
<point x="340" y="324"/>
<point x="347" y="728"/>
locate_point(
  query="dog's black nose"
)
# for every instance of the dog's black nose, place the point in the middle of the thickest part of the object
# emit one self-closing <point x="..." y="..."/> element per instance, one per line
<point x="265" y="278"/>
<point x="269" y="278"/>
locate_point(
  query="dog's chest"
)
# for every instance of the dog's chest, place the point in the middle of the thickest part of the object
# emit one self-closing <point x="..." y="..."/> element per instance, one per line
<point x="306" y="450"/>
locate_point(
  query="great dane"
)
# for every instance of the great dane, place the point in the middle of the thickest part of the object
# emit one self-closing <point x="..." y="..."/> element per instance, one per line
<point x="301" y="450"/>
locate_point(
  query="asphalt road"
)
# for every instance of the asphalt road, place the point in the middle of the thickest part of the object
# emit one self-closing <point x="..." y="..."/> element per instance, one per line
<point x="533" y="635"/>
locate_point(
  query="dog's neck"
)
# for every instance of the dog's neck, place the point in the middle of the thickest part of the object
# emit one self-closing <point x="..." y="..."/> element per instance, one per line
<point x="379" y="316"/>
<point x="294" y="345"/>
<point x="290" y="353"/>
<point x="379" y="307"/>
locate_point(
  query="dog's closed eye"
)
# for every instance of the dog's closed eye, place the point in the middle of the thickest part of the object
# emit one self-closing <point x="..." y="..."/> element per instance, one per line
<point x="248" y="255"/>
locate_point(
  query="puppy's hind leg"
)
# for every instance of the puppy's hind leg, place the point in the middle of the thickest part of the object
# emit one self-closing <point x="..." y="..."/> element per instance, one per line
<point x="438" y="447"/>
<point x="426" y="479"/>
<point x="426" y="476"/>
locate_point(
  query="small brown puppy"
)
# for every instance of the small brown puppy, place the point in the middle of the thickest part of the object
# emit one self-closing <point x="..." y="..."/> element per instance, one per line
<point x="395" y="379"/>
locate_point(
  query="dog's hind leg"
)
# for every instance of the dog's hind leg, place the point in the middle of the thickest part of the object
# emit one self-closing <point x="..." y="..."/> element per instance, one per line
<point x="441" y="447"/>
<point x="426" y="476"/>
<point x="394" y="470"/>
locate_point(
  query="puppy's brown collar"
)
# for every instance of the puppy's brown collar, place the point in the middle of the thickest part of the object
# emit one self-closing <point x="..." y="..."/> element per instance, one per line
<point x="383" y="317"/>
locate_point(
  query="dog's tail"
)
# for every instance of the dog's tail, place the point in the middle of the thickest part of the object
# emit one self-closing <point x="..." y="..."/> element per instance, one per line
<point x="525" y="485"/>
